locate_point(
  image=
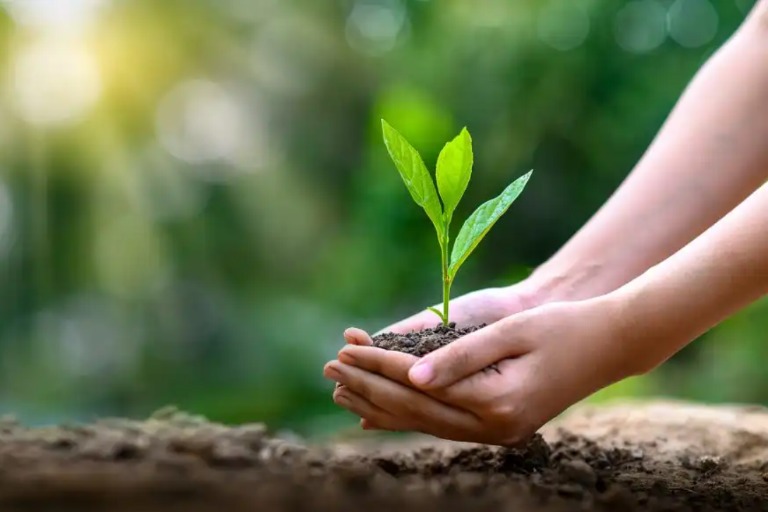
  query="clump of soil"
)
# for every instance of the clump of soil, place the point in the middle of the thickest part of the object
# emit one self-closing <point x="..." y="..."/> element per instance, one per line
<point x="421" y="343"/>
<point x="633" y="457"/>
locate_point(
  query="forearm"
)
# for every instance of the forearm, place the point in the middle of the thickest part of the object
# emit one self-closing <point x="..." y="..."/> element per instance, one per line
<point x="720" y="272"/>
<point x="709" y="156"/>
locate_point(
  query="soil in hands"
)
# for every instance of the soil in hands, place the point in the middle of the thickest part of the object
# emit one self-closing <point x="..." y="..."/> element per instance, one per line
<point x="421" y="343"/>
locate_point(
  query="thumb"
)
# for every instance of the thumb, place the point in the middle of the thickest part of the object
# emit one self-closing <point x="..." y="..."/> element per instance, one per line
<point x="466" y="356"/>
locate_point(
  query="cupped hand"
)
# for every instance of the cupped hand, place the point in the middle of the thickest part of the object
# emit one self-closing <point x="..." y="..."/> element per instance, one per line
<point x="548" y="358"/>
<point x="476" y="308"/>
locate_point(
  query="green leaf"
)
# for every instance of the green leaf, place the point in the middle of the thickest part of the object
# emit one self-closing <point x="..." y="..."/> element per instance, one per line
<point x="414" y="174"/>
<point x="481" y="221"/>
<point x="454" y="169"/>
<point x="437" y="312"/>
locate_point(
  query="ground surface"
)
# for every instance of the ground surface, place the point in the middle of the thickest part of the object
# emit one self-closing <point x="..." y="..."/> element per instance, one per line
<point x="659" y="456"/>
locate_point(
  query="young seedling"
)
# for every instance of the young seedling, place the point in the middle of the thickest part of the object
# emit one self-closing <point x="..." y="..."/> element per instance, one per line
<point x="454" y="169"/>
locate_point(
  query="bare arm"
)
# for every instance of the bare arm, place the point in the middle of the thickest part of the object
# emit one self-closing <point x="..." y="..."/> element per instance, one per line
<point x="714" y="276"/>
<point x="552" y="356"/>
<point x="710" y="155"/>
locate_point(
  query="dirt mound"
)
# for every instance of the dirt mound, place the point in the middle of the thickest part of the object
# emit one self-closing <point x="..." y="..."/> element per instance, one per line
<point x="421" y="343"/>
<point x="659" y="456"/>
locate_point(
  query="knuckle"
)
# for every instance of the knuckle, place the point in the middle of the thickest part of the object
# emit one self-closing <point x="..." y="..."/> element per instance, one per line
<point x="457" y="357"/>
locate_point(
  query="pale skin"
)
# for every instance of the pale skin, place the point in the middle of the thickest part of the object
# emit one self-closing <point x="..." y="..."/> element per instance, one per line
<point x="680" y="246"/>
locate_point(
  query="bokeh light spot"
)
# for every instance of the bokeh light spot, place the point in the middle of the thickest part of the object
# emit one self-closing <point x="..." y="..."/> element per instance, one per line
<point x="200" y="121"/>
<point x="374" y="26"/>
<point x="563" y="25"/>
<point x="641" y="26"/>
<point x="692" y="23"/>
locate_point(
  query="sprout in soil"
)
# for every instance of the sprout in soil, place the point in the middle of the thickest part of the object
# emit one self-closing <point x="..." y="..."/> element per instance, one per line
<point x="454" y="168"/>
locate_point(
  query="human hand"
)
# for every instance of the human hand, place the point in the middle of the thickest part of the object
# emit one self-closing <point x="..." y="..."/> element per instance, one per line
<point x="548" y="358"/>
<point x="476" y="308"/>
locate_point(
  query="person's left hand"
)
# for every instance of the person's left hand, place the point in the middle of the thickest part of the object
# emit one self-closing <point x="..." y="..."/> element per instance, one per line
<point x="547" y="358"/>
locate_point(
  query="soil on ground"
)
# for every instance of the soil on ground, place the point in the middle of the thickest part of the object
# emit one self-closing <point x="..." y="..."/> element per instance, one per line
<point x="661" y="456"/>
<point x="657" y="456"/>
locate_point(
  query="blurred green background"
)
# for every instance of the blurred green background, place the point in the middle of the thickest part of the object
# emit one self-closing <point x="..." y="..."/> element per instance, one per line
<point x="195" y="199"/>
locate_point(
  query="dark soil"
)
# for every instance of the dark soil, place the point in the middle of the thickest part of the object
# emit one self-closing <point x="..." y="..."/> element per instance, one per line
<point x="421" y="343"/>
<point x="177" y="462"/>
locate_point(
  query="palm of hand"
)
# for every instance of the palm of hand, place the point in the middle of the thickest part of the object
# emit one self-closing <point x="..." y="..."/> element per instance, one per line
<point x="476" y="308"/>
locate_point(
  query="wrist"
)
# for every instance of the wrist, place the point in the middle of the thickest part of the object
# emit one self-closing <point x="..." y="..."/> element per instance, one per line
<point x="650" y="328"/>
<point x="555" y="283"/>
<point x="621" y="337"/>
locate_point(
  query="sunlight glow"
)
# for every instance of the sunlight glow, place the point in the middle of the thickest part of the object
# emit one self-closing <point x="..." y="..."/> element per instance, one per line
<point x="53" y="15"/>
<point x="54" y="82"/>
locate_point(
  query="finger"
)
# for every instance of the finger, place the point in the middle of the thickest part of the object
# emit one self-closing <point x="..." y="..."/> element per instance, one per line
<point x="367" y="424"/>
<point x="476" y="392"/>
<point x="401" y="401"/>
<point x="387" y="363"/>
<point x="466" y="356"/>
<point x="466" y="393"/>
<point x="355" y="336"/>
<point x="365" y="409"/>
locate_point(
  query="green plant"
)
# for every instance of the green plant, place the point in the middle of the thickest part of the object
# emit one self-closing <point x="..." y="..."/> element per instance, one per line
<point x="454" y="169"/>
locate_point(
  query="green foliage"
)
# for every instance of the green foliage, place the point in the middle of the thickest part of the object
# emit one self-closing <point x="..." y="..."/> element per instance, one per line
<point x="482" y="220"/>
<point x="454" y="170"/>
<point x="415" y="175"/>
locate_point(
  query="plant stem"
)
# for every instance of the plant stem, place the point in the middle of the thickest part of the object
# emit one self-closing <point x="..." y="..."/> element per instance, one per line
<point x="446" y="281"/>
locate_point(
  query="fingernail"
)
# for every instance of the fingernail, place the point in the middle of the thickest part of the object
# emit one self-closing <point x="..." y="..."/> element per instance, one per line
<point x="346" y="358"/>
<point x="332" y="373"/>
<point x="422" y="373"/>
<point x="349" y="336"/>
